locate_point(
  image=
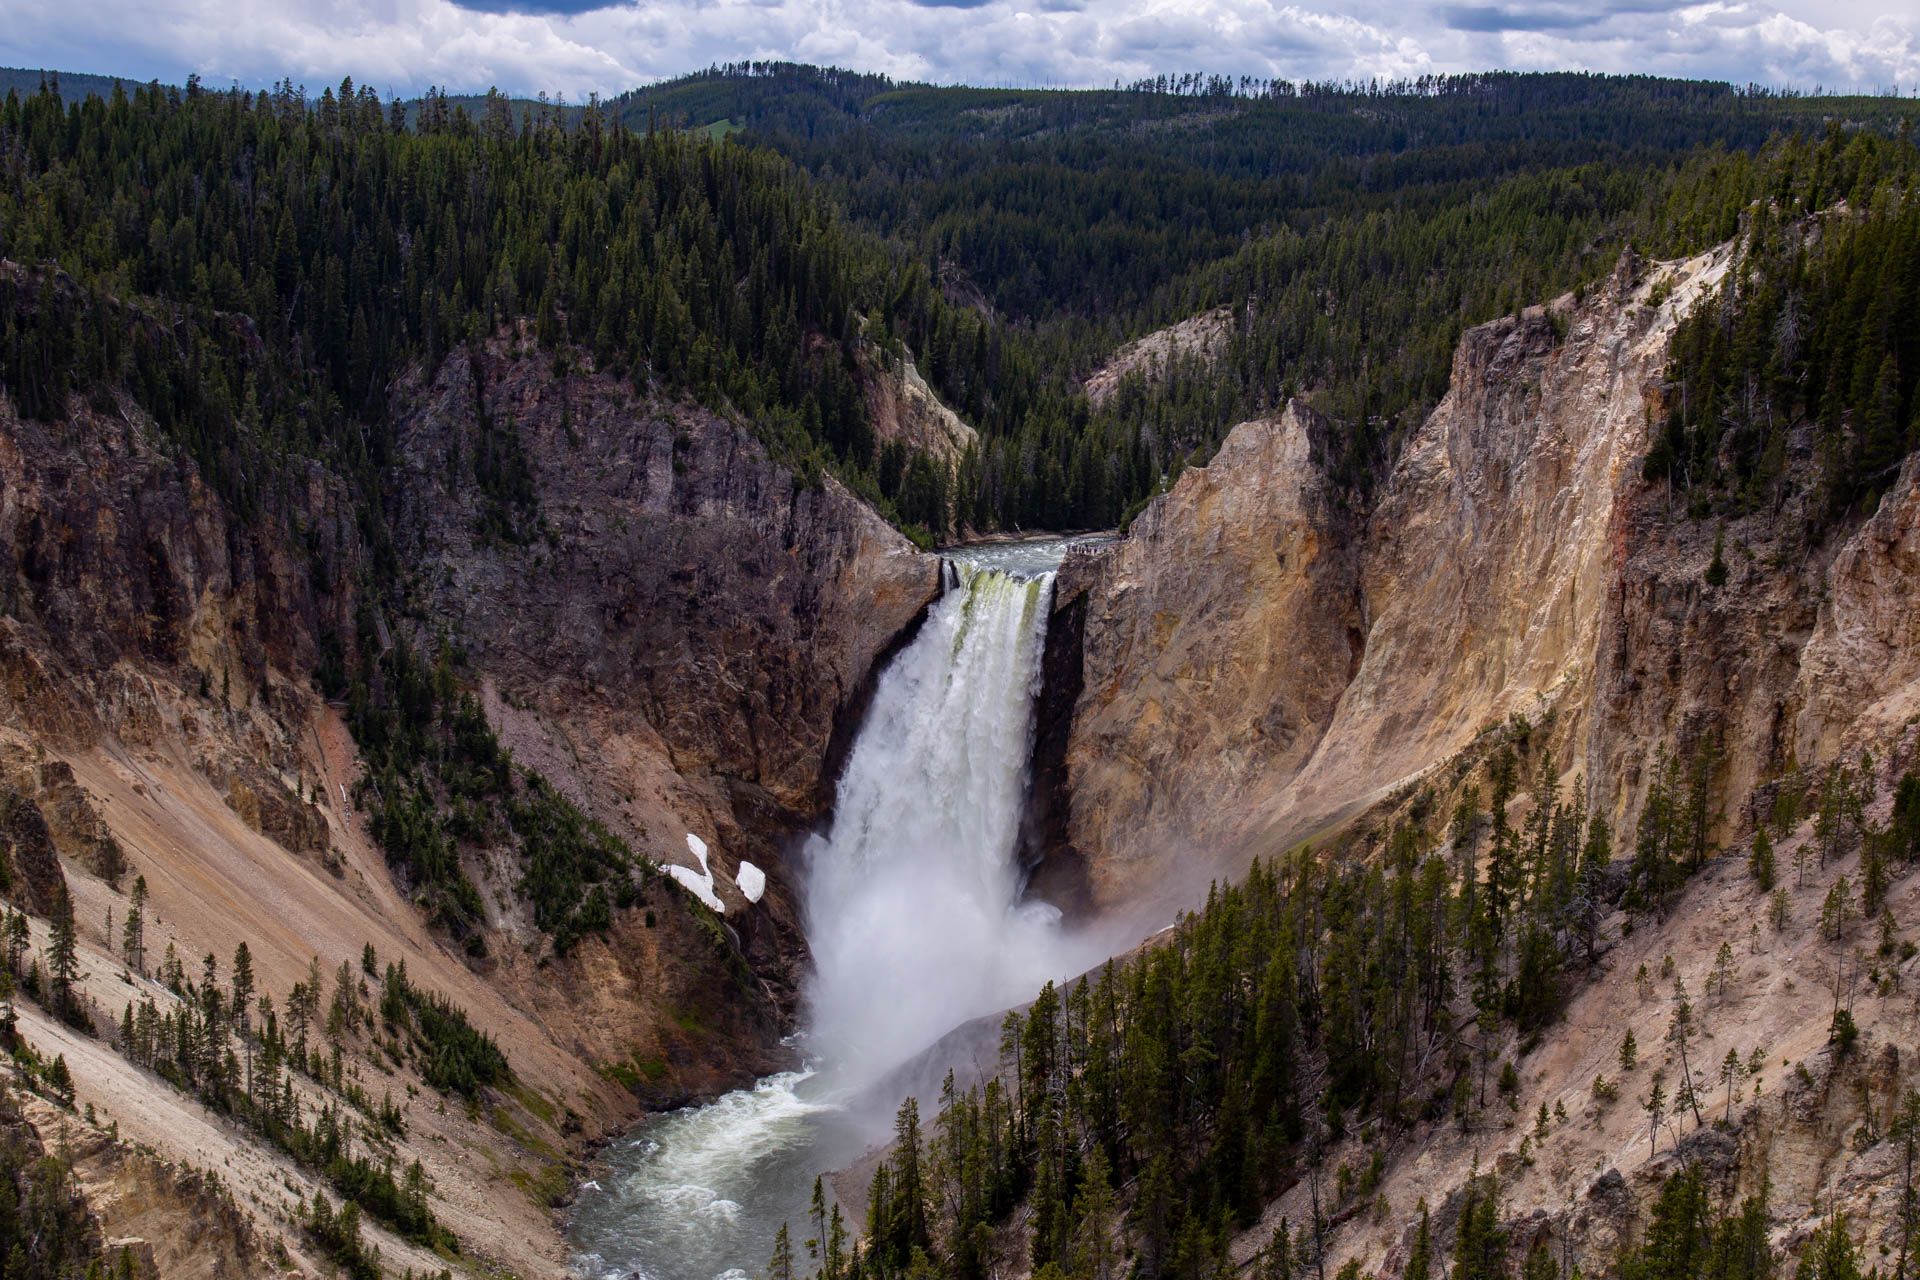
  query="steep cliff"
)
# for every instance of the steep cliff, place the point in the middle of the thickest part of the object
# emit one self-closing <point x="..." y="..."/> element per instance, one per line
<point x="1485" y="582"/>
<point x="1519" y="579"/>
<point x="903" y="409"/>
<point x="1215" y="641"/>
<point x="670" y="623"/>
<point x="1198" y="338"/>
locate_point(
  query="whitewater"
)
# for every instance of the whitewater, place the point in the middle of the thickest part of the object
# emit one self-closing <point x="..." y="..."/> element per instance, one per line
<point x="915" y="914"/>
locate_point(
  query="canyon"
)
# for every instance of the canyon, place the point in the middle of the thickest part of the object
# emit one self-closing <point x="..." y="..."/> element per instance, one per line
<point x="683" y="635"/>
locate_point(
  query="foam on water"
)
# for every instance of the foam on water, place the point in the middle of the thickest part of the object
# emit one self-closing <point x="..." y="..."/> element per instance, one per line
<point x="686" y="1193"/>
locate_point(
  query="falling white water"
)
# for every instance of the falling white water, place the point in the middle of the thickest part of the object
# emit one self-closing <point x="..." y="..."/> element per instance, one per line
<point x="915" y="920"/>
<point x="912" y="899"/>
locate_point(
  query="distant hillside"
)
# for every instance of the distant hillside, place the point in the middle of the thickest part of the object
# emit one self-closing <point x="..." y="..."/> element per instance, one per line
<point x="72" y="84"/>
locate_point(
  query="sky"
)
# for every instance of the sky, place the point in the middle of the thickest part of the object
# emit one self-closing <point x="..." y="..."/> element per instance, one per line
<point x="580" y="46"/>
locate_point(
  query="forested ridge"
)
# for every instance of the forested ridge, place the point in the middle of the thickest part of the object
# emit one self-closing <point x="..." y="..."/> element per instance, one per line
<point x="1353" y="230"/>
<point x="1010" y="239"/>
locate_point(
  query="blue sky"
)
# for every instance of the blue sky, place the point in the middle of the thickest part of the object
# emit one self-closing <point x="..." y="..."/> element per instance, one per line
<point x="578" y="46"/>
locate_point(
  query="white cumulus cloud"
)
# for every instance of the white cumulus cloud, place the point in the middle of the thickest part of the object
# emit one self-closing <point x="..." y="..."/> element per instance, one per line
<point x="573" y="47"/>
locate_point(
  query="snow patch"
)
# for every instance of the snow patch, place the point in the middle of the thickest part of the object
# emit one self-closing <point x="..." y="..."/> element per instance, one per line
<point x="752" y="881"/>
<point x="698" y="883"/>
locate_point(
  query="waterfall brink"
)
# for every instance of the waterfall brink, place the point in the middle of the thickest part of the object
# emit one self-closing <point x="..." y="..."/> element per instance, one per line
<point x="913" y="898"/>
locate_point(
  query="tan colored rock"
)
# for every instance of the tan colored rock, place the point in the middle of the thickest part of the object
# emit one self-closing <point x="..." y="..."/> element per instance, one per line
<point x="1861" y="670"/>
<point x="1490" y="557"/>
<point x="1216" y="640"/>
<point x="902" y="407"/>
<point x="72" y="820"/>
<point x="1272" y="694"/>
<point x="1201" y="337"/>
<point x="1516" y="564"/>
<point x="277" y="813"/>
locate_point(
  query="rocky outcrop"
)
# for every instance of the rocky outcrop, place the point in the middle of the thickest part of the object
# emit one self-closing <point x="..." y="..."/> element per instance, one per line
<point x="684" y="622"/>
<point x="1491" y="557"/>
<point x="903" y="409"/>
<point x="181" y="1224"/>
<point x="1860" y="673"/>
<point x="1806" y="649"/>
<point x="113" y="549"/>
<point x="1202" y="337"/>
<point x="1215" y="641"/>
<point x="29" y="865"/>
<point x="72" y="822"/>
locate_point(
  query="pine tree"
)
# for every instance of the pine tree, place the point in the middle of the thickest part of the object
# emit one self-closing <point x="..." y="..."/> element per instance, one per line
<point x="240" y="1004"/>
<point x="780" y="1266"/>
<point x="18" y="936"/>
<point x="1731" y="1068"/>
<point x="133" y="935"/>
<point x="1830" y="1254"/>
<point x="1681" y="1030"/>
<point x="1480" y="1246"/>
<point x="1836" y="911"/>
<point x="60" y="1081"/>
<point x="1721" y="978"/>
<point x="1760" y="863"/>
<point x="240" y="989"/>
<point x="1092" y="1255"/>
<point x="1656" y="1108"/>
<point x="1420" y="1257"/>
<point x="1905" y="1130"/>
<point x="63" y="959"/>
<point x="1677" y="1237"/>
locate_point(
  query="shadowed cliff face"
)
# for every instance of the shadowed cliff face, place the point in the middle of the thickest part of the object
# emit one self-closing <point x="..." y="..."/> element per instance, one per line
<point x="1260" y="664"/>
<point x="671" y="624"/>
<point x="112" y="551"/>
<point x="674" y="579"/>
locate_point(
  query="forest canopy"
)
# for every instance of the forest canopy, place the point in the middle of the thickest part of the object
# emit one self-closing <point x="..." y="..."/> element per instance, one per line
<point x="737" y="236"/>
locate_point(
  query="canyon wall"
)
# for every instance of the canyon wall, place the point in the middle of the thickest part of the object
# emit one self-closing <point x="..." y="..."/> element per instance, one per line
<point x="1264" y="662"/>
<point x="1261" y="662"/>
<point x="677" y="625"/>
<point x="663" y="620"/>
<point x="1215" y="641"/>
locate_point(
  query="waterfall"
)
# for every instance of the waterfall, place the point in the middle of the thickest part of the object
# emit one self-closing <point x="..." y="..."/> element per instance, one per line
<point x="912" y="899"/>
<point x="913" y="912"/>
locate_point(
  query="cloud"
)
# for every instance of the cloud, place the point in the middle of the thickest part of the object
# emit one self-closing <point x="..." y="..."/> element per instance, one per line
<point x="578" y="46"/>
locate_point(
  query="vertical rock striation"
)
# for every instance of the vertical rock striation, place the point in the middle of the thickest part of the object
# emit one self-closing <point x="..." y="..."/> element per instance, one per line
<point x="1261" y="662"/>
<point x="1215" y="642"/>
